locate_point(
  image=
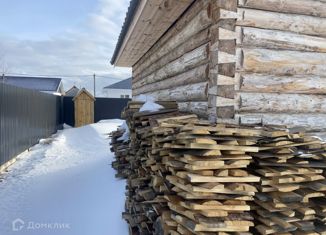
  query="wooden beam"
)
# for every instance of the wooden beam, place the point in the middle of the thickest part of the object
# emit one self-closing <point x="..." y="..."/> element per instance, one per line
<point x="180" y="24"/>
<point x="180" y="65"/>
<point x="281" y="103"/>
<point x="182" y="39"/>
<point x="199" y="108"/>
<point x="190" y="92"/>
<point x="265" y="83"/>
<point x="302" y="7"/>
<point x="276" y="39"/>
<point x="302" y="24"/>
<point x="222" y="101"/>
<point x="315" y="121"/>
<point x="195" y="75"/>
<point x="154" y="63"/>
<point x="281" y="62"/>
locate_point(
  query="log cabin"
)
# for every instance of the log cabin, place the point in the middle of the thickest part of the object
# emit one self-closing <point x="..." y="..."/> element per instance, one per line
<point x="230" y="61"/>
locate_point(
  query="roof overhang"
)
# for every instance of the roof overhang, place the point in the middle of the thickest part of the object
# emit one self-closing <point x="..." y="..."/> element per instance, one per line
<point x="145" y="23"/>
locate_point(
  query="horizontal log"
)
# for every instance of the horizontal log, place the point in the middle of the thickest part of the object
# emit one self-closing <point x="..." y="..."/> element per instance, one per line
<point x="154" y="63"/>
<point x="195" y="75"/>
<point x="281" y="103"/>
<point x="180" y="65"/>
<point x="191" y="13"/>
<point x="266" y="83"/>
<point x="304" y="7"/>
<point x="199" y="108"/>
<point x="225" y="34"/>
<point x="174" y="38"/>
<point x="191" y="92"/>
<point x="309" y="25"/>
<point x="309" y="121"/>
<point x="275" y="39"/>
<point x="281" y="62"/>
<point x="223" y="102"/>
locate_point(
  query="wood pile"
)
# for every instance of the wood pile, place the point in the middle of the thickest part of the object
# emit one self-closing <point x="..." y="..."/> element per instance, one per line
<point x="122" y="154"/>
<point x="209" y="171"/>
<point x="139" y="162"/>
<point x="126" y="150"/>
<point x="186" y="176"/>
<point x="291" y="197"/>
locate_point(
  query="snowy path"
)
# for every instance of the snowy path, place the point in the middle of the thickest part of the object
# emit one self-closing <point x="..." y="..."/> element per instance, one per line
<point x="65" y="186"/>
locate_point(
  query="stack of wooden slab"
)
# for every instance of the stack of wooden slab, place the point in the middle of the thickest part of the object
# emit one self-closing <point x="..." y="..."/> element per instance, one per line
<point x="125" y="150"/>
<point x="145" y="185"/>
<point x="163" y="132"/>
<point x="187" y="176"/>
<point x="122" y="154"/>
<point x="209" y="171"/>
<point x="292" y="188"/>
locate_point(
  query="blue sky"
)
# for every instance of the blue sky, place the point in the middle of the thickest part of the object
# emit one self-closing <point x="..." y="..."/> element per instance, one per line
<point x="62" y="37"/>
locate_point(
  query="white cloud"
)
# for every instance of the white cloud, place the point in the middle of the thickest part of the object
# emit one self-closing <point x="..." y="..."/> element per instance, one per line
<point x="84" y="50"/>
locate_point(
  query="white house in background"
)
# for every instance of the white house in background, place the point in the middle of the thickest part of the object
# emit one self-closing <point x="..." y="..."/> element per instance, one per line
<point x="120" y="89"/>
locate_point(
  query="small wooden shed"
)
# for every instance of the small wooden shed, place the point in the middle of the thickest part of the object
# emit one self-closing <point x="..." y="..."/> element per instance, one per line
<point x="84" y="108"/>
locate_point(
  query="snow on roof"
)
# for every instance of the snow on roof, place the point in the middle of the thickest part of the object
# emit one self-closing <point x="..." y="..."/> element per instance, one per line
<point x="33" y="83"/>
<point x="124" y="84"/>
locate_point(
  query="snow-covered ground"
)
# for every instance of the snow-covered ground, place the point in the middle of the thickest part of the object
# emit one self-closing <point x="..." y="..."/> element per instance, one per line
<point x="65" y="185"/>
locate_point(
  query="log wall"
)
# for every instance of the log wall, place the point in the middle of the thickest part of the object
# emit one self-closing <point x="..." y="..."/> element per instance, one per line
<point x="242" y="61"/>
<point x="280" y="62"/>
<point x="177" y="66"/>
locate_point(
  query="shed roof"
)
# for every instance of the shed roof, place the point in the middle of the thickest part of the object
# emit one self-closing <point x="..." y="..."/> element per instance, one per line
<point x="33" y="83"/>
<point x="73" y="91"/>
<point x="83" y="90"/>
<point x="124" y="84"/>
<point x="148" y="19"/>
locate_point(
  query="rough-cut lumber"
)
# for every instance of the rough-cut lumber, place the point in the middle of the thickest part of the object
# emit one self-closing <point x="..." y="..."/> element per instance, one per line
<point x="182" y="64"/>
<point x="276" y="39"/>
<point x="302" y="7"/>
<point x="281" y="103"/>
<point x="192" y="34"/>
<point x="191" y="92"/>
<point x="281" y="62"/>
<point x="265" y="83"/>
<point x="287" y="191"/>
<point x="309" y="25"/>
<point x="177" y="183"/>
<point x="316" y="121"/>
<point x="145" y="180"/>
<point x="195" y="75"/>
